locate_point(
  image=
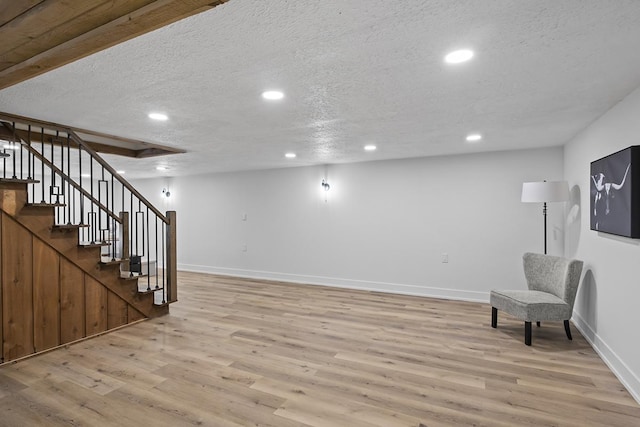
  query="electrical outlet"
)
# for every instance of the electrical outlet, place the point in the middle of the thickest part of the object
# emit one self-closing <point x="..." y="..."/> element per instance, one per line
<point x="445" y="257"/>
<point x="243" y="216"/>
<point x="243" y="248"/>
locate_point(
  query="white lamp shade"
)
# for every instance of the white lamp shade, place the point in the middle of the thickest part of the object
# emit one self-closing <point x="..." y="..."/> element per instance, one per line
<point x="545" y="191"/>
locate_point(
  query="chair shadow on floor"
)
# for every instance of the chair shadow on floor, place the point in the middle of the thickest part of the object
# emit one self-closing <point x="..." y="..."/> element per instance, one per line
<point x="549" y="337"/>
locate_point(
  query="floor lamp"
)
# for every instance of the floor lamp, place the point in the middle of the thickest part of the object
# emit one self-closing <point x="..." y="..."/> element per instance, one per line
<point x="545" y="192"/>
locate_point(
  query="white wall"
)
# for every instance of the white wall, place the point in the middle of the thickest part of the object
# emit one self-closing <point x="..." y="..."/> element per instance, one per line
<point x="608" y="303"/>
<point x="384" y="225"/>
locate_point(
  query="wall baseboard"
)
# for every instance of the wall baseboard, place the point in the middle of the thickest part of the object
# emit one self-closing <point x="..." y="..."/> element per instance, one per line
<point x="626" y="376"/>
<point x="394" y="288"/>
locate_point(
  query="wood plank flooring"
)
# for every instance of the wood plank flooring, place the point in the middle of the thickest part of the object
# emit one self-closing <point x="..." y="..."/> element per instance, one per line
<point x="239" y="352"/>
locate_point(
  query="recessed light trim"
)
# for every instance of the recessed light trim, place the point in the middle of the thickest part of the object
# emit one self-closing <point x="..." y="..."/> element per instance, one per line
<point x="370" y="147"/>
<point x="272" y="95"/>
<point x="458" y="56"/>
<point x="474" y="137"/>
<point x="161" y="168"/>
<point x="290" y="155"/>
<point x="158" y="116"/>
<point x="120" y="172"/>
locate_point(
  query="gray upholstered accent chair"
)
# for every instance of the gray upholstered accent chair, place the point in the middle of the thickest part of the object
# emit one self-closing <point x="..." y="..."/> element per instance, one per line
<point x="552" y="282"/>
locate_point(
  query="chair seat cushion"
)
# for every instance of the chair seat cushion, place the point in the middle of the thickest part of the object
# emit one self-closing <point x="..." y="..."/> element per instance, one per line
<point x="531" y="306"/>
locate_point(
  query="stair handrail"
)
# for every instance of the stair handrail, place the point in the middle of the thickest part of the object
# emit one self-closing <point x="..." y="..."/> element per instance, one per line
<point x="71" y="181"/>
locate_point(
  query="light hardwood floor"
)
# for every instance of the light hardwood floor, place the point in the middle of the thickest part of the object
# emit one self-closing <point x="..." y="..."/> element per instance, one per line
<point x="238" y="352"/>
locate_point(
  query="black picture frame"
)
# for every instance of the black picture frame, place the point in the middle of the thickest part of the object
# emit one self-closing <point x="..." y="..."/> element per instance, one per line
<point x="614" y="199"/>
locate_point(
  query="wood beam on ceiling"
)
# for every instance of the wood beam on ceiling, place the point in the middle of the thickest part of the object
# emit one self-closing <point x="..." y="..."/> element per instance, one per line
<point x="139" y="149"/>
<point x="39" y="36"/>
<point x="11" y="9"/>
<point x="51" y="23"/>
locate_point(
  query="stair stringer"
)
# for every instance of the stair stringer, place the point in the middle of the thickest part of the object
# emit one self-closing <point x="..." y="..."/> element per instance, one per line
<point x="39" y="221"/>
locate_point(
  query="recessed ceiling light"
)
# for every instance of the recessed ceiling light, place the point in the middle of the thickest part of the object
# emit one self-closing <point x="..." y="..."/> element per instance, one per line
<point x="290" y="155"/>
<point x="273" y="95"/>
<point x="161" y="168"/>
<point x="474" y="137"/>
<point x="458" y="56"/>
<point x="370" y="147"/>
<point x="158" y="116"/>
<point x="85" y="175"/>
<point x="120" y="172"/>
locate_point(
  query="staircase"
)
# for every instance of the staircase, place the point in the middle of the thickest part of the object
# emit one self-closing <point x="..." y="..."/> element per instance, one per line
<point x="81" y="250"/>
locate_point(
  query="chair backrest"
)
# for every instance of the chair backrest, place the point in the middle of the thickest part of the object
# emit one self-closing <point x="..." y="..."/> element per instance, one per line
<point x="555" y="275"/>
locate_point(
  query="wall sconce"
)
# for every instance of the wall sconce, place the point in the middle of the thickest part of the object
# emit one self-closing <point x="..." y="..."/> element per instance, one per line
<point x="166" y="193"/>
<point x="325" y="185"/>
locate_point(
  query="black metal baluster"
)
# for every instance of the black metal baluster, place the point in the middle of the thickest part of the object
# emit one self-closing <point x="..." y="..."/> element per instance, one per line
<point x="80" y="179"/>
<point x="13" y="155"/>
<point x="53" y="175"/>
<point x="148" y="254"/>
<point x="62" y="181"/>
<point x="133" y="233"/>
<point x="113" y="223"/>
<point x="15" y="140"/>
<point x="100" y="201"/>
<point x="30" y="175"/>
<point x="70" y="199"/>
<point x="164" y="266"/>
<point x="156" y="271"/>
<point x="42" y="162"/>
<point x="93" y="231"/>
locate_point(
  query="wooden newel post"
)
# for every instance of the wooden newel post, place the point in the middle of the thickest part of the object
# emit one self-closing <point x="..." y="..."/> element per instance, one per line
<point x="172" y="262"/>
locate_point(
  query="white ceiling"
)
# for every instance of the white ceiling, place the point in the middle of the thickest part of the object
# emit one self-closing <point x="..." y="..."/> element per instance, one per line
<point x="354" y="72"/>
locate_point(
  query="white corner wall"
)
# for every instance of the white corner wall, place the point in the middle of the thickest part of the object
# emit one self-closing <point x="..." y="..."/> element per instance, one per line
<point x="384" y="225"/>
<point x="608" y="304"/>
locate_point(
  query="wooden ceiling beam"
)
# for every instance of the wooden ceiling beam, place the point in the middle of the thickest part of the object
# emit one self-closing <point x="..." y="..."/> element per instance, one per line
<point x="7" y="133"/>
<point x="151" y="16"/>
<point x="53" y="22"/>
<point x="130" y="141"/>
<point x="9" y="10"/>
<point x="96" y="146"/>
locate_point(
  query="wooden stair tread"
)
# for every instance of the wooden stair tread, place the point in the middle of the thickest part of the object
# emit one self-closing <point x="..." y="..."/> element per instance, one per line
<point x="111" y="261"/>
<point x="93" y="245"/>
<point x="69" y="226"/>
<point x="125" y="275"/>
<point x="19" y="181"/>
<point x="149" y="291"/>
<point x="45" y="205"/>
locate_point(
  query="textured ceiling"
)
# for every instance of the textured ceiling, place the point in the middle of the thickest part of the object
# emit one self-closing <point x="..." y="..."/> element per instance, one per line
<point x="354" y="72"/>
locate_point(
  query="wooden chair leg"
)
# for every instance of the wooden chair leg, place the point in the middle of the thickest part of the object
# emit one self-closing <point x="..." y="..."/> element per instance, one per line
<point x="527" y="333"/>
<point x="567" y="329"/>
<point x="538" y="324"/>
<point x="494" y="317"/>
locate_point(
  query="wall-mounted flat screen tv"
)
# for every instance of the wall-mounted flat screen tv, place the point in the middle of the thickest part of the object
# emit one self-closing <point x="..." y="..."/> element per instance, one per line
<point x="615" y="193"/>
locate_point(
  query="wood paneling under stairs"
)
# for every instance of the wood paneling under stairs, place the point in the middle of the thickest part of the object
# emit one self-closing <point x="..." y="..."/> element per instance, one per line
<point x="239" y="352"/>
<point x="72" y="323"/>
<point x="17" y="290"/>
<point x="46" y="300"/>
<point x="46" y="296"/>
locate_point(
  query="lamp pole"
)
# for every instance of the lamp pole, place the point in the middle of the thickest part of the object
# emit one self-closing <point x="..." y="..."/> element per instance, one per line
<point x="544" y="214"/>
